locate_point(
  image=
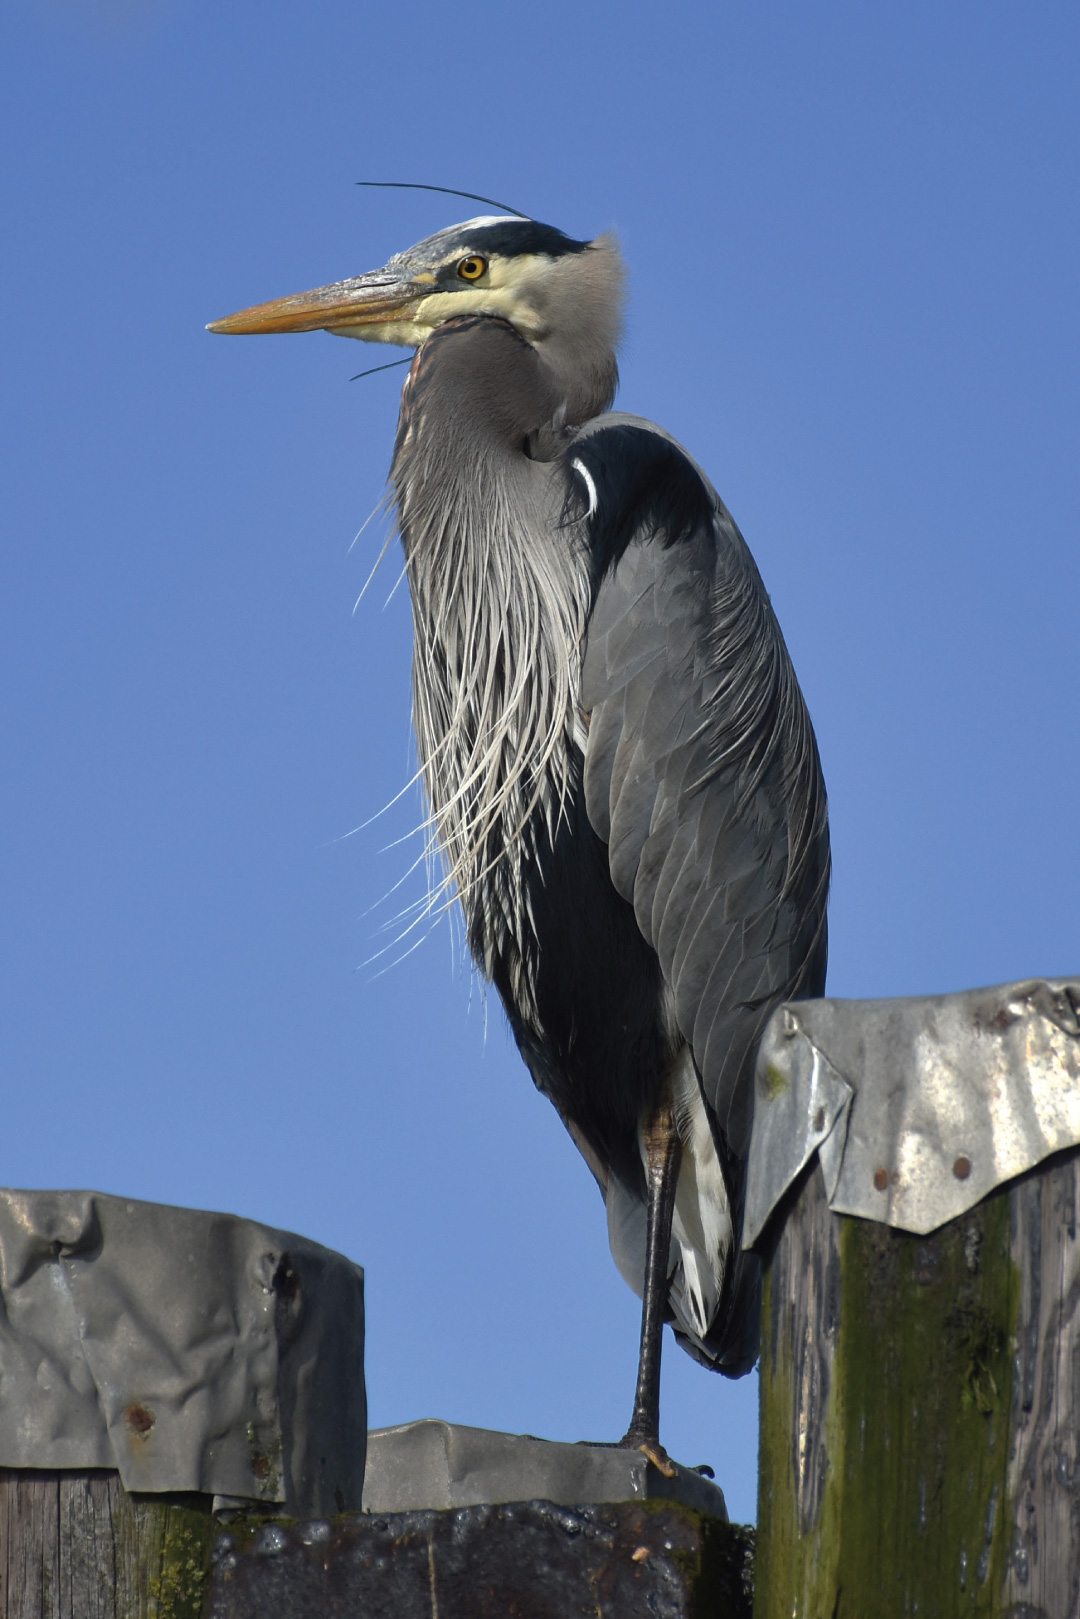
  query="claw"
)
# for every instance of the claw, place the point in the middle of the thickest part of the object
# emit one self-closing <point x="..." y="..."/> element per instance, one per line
<point x="659" y="1457"/>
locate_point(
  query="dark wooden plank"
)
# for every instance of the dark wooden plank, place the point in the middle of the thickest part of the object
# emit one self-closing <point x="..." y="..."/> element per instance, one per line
<point x="30" y="1547"/>
<point x="75" y="1545"/>
<point x="87" y="1545"/>
<point x="1043" y="1477"/>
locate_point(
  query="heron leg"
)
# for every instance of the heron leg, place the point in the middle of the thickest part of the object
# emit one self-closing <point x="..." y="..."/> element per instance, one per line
<point x="662" y="1153"/>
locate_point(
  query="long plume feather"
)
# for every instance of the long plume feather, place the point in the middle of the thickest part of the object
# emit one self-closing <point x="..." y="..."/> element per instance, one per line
<point x="499" y="612"/>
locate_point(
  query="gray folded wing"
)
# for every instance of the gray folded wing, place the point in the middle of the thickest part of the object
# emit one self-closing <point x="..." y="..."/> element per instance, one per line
<point x="702" y="776"/>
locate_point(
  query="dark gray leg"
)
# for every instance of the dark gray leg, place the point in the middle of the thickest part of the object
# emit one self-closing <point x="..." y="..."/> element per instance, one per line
<point x="663" y="1151"/>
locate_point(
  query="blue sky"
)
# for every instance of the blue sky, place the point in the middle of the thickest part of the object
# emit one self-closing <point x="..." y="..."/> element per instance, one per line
<point x="852" y="239"/>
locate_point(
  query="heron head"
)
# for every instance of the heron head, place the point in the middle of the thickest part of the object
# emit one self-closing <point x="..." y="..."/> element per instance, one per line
<point x="563" y="296"/>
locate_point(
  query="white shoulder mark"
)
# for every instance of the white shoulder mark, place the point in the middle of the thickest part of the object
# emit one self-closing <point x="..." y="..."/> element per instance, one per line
<point x="579" y="466"/>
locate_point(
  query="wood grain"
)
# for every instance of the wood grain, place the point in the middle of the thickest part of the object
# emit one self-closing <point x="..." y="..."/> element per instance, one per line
<point x="76" y="1545"/>
<point x="921" y="1410"/>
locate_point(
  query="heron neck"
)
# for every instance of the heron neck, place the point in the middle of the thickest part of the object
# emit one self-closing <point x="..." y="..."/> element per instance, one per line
<point x="500" y="596"/>
<point x="478" y="390"/>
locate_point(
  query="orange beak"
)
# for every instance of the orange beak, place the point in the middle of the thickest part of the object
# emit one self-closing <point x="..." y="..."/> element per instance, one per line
<point x="382" y="297"/>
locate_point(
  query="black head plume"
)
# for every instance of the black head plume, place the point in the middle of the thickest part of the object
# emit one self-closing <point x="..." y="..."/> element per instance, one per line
<point x="447" y="191"/>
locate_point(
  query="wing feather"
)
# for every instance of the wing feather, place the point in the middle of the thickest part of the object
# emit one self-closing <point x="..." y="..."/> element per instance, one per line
<point x="701" y="769"/>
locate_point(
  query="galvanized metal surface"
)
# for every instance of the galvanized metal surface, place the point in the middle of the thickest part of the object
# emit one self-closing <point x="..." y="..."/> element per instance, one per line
<point x="433" y="1465"/>
<point x="187" y="1350"/>
<point x="916" y="1108"/>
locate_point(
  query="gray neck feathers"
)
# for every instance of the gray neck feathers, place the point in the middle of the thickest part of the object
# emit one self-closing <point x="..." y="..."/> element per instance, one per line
<point x="580" y="302"/>
<point x="500" y="595"/>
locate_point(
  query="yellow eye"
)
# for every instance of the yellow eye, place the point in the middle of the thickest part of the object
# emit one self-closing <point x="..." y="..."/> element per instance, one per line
<point x="472" y="268"/>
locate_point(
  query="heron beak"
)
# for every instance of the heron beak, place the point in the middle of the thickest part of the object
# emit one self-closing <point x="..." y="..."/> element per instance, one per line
<point x="382" y="298"/>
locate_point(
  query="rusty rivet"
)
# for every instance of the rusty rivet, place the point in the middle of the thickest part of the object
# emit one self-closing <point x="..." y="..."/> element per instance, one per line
<point x="962" y="1168"/>
<point x="640" y="1555"/>
<point x="139" y="1419"/>
<point x="881" y="1179"/>
<point x="819" y="1120"/>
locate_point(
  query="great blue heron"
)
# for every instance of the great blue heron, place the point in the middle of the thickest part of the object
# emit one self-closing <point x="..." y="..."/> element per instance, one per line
<point x="622" y="773"/>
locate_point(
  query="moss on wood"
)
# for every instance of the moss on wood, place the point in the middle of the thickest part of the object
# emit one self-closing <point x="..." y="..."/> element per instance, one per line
<point x="884" y="1445"/>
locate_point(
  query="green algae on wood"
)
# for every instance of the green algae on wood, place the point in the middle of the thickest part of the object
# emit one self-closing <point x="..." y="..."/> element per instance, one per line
<point x="887" y="1384"/>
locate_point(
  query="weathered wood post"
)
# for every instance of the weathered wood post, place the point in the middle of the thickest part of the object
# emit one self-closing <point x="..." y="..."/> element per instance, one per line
<point x="915" y="1186"/>
<point x="465" y="1523"/>
<point x="157" y="1364"/>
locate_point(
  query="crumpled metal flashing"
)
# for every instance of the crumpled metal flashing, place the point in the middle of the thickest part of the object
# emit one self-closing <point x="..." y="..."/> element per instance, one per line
<point x="916" y="1108"/>
<point x="435" y="1465"/>
<point x="187" y="1350"/>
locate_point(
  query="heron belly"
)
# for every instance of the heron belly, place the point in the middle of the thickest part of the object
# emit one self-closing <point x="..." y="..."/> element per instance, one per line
<point x="582" y="987"/>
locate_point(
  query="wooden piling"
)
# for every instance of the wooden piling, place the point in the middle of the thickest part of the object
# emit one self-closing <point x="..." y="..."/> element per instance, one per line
<point x="920" y="1409"/>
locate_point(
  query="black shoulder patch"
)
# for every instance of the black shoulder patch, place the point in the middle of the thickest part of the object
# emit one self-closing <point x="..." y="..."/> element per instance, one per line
<point x="645" y="486"/>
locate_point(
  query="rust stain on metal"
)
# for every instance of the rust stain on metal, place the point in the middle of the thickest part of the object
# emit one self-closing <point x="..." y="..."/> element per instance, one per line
<point x="962" y="1167"/>
<point x="139" y="1419"/>
<point x="881" y="1179"/>
<point x="260" y="1465"/>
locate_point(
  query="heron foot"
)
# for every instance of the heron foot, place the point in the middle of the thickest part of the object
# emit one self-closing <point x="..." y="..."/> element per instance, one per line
<point x="653" y="1449"/>
<point x="659" y="1457"/>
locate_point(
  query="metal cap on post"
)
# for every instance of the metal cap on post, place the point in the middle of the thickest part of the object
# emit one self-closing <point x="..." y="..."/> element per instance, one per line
<point x="157" y="1352"/>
